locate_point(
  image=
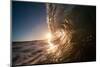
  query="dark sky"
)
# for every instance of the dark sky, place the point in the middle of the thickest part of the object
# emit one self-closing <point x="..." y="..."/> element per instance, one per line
<point x="28" y="21"/>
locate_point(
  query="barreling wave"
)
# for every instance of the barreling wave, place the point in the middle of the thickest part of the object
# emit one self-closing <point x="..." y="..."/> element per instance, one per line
<point x="61" y="29"/>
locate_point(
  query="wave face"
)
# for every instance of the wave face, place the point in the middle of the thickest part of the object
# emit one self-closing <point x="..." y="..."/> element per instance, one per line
<point x="70" y="26"/>
<point x="61" y="30"/>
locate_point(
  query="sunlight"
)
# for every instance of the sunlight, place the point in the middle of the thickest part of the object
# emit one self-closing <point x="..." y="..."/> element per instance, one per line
<point x="48" y="36"/>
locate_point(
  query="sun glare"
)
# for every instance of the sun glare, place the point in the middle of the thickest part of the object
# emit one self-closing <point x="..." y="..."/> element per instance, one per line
<point x="48" y="35"/>
<point x="51" y="47"/>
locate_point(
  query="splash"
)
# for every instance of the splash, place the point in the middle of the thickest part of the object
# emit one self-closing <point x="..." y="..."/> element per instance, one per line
<point x="59" y="38"/>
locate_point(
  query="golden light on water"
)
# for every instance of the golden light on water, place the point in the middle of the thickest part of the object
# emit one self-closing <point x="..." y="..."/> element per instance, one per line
<point x="58" y="44"/>
<point x="53" y="48"/>
<point x="50" y="44"/>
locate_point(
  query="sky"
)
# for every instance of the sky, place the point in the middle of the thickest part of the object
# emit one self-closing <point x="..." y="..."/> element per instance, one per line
<point x="28" y="21"/>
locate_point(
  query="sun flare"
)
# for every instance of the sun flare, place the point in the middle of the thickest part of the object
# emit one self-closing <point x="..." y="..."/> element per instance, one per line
<point x="48" y="36"/>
